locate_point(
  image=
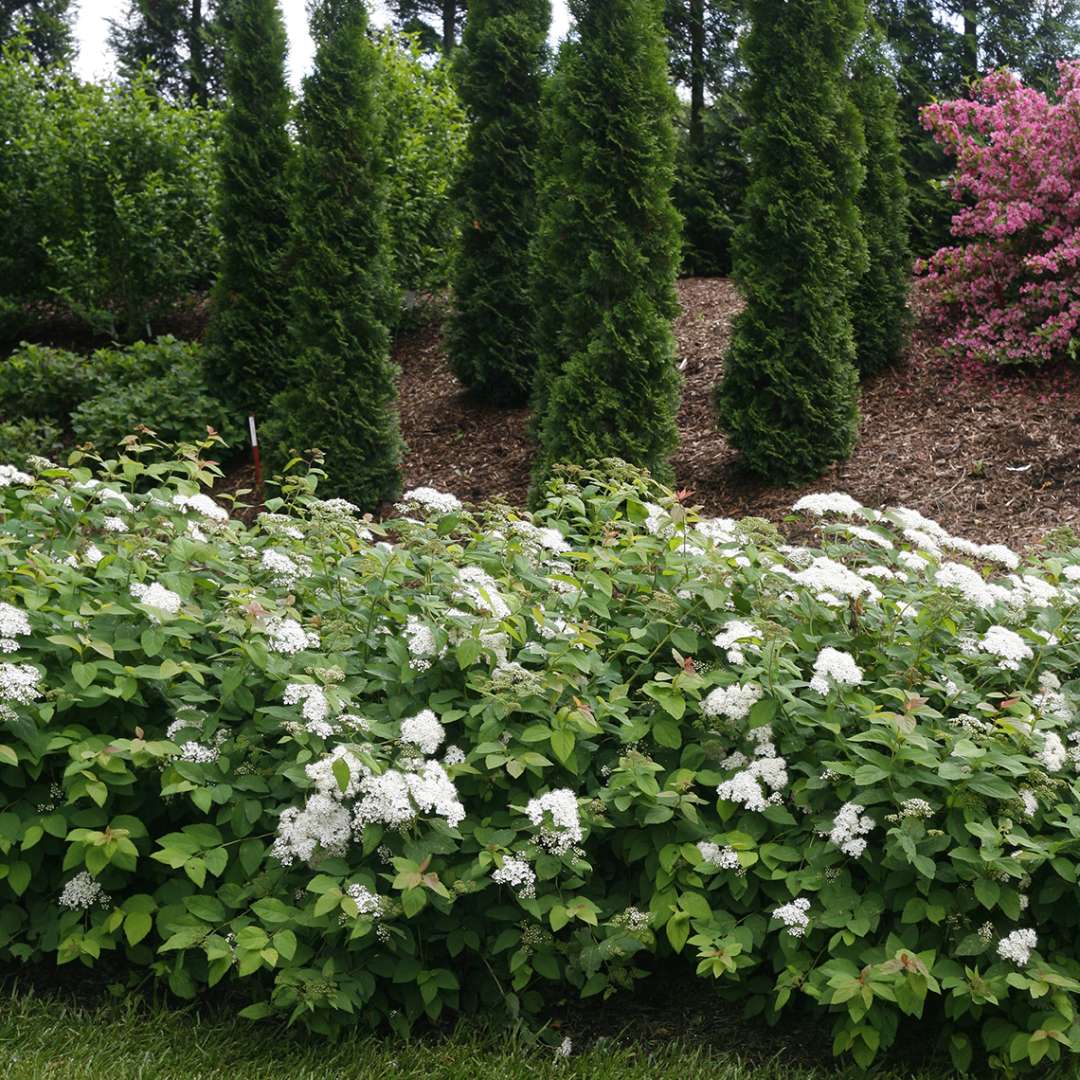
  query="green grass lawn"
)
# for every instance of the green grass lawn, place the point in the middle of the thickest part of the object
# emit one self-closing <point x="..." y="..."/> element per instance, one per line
<point x="46" y="1035"/>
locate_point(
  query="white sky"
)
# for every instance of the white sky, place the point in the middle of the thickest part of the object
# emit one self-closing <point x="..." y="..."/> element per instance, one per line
<point x="95" y="59"/>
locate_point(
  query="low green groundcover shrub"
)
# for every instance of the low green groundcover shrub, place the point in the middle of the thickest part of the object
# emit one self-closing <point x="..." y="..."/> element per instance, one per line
<point x="102" y="396"/>
<point x="473" y="760"/>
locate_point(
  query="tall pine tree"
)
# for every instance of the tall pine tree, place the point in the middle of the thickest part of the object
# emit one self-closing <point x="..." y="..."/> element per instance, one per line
<point x="249" y="313"/>
<point x="607" y="247"/>
<point x="181" y="41"/>
<point x="879" y="300"/>
<point x="437" y="23"/>
<point x="704" y="59"/>
<point x="788" y="395"/>
<point x="500" y="71"/>
<point x="45" y="24"/>
<point x="341" y="390"/>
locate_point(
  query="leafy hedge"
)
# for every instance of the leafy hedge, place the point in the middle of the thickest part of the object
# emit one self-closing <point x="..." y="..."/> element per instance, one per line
<point x="470" y="760"/>
<point x="101" y="397"/>
<point x="105" y="201"/>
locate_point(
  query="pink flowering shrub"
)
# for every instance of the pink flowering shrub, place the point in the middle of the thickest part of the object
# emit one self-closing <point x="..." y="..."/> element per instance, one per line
<point x="1010" y="293"/>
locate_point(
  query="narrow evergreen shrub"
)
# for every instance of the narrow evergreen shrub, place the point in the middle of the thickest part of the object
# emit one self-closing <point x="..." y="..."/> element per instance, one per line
<point x="340" y="395"/>
<point x="500" y="67"/>
<point x="243" y="357"/>
<point x="608" y="248"/>
<point x="788" y="396"/>
<point x="879" y="312"/>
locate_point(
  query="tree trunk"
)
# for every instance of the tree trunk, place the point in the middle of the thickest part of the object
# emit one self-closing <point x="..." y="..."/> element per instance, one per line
<point x="697" y="73"/>
<point x="198" y="92"/>
<point x="971" y="39"/>
<point x="449" y="26"/>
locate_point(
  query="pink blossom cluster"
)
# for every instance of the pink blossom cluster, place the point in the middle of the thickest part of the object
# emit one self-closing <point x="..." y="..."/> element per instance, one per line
<point x="1010" y="293"/>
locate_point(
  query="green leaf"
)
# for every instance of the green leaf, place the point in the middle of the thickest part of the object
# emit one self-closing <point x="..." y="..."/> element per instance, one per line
<point x="84" y="674"/>
<point x="413" y="902"/>
<point x="562" y="744"/>
<point x="341" y="773"/>
<point x="137" y="925"/>
<point x="987" y="892"/>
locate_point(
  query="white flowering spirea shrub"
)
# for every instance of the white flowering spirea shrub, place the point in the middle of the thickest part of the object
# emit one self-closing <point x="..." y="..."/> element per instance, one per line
<point x="463" y="761"/>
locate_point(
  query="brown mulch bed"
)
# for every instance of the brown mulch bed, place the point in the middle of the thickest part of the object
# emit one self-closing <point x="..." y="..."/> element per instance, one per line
<point x="992" y="455"/>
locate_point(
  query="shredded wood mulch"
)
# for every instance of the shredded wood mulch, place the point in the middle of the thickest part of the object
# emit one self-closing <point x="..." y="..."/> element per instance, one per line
<point x="994" y="455"/>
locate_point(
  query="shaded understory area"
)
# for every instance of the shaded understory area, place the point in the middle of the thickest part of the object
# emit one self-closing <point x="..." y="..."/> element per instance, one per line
<point x="989" y="453"/>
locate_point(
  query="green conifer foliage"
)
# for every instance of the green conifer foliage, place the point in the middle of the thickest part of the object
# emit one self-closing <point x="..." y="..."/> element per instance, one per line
<point x="879" y="301"/>
<point x="788" y="396"/>
<point x="249" y="314"/>
<point x="607" y="246"/>
<point x="341" y="390"/>
<point x="500" y="68"/>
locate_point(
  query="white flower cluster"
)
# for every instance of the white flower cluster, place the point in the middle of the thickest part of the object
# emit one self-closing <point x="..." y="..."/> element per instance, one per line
<point x="316" y="706"/>
<point x="454" y="756"/>
<point x="736" y="637"/>
<point x="873" y="537"/>
<point x="1050" y="701"/>
<point x="848" y="829"/>
<point x="561" y="809"/>
<point x="158" y="597"/>
<point x="286" y="571"/>
<point x="368" y="903"/>
<point x="423" y="731"/>
<point x="658" y="520"/>
<point x="426" y="498"/>
<point x="632" y="919"/>
<point x="833" y="583"/>
<point x="420" y="639"/>
<point x="723" y="858"/>
<point x="537" y="537"/>
<point x="795" y="916"/>
<point x="322" y="827"/>
<point x="517" y="874"/>
<point x="745" y="787"/>
<point x="198" y="753"/>
<point x="83" y="892"/>
<point x="733" y="702"/>
<point x="916" y="808"/>
<point x="10" y="475"/>
<point x="288" y="637"/>
<point x="13" y="624"/>
<point x="395" y="798"/>
<point x="1053" y="756"/>
<point x="971" y="585"/>
<point x="18" y="683"/>
<point x="833" y="667"/>
<point x="833" y="502"/>
<point x="479" y="588"/>
<point x="723" y="532"/>
<point x="1030" y="802"/>
<point x="114" y="524"/>
<point x="203" y="505"/>
<point x="1017" y="946"/>
<point x="1007" y="645"/>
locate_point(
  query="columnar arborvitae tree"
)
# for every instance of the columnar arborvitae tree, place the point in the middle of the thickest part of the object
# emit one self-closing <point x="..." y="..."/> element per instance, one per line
<point x="607" y="247"/>
<point x="500" y="70"/>
<point x="788" y="396"/>
<point x="341" y="390"/>
<point x="879" y="300"/>
<point x="249" y="315"/>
